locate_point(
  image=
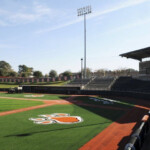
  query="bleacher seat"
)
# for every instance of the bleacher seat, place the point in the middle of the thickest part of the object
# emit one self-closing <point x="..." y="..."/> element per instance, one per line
<point x="102" y="83"/>
<point x="131" y="84"/>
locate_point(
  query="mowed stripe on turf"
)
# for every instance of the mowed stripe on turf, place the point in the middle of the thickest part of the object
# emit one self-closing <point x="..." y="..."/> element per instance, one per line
<point x="52" y="102"/>
<point x="24" y="98"/>
<point x="47" y="103"/>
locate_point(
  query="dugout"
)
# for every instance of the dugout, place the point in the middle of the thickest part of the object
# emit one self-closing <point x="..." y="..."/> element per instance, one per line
<point x="144" y="66"/>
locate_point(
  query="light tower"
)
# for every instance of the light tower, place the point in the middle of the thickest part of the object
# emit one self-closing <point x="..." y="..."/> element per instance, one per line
<point x="81" y="68"/>
<point x="83" y="12"/>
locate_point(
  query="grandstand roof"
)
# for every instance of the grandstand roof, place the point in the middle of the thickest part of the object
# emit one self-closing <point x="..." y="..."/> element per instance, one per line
<point x="138" y="54"/>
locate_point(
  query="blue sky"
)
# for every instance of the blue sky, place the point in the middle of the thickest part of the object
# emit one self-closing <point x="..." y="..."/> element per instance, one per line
<point x="47" y="34"/>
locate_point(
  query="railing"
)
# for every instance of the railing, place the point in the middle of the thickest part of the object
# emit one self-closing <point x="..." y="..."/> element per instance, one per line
<point x="137" y="138"/>
<point x="88" y="83"/>
<point x="109" y="88"/>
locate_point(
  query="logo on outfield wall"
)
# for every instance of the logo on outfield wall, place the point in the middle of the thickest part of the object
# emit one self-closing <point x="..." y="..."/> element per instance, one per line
<point x="60" y="118"/>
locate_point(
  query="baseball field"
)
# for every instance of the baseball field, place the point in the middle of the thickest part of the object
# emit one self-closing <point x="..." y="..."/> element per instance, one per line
<point x="64" y="122"/>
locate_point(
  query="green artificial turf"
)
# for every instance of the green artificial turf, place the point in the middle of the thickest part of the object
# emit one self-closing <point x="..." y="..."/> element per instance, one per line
<point x="9" y="104"/>
<point x="11" y="84"/>
<point x="55" y="83"/>
<point x="46" y="96"/>
<point x="8" y="85"/>
<point x="20" y="133"/>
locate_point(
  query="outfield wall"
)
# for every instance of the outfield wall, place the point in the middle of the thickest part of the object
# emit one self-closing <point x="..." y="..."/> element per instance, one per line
<point x="78" y="91"/>
<point x="4" y="89"/>
<point x="52" y="89"/>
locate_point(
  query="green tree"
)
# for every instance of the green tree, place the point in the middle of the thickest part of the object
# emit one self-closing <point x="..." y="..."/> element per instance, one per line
<point x="101" y="72"/>
<point x="5" y="68"/>
<point x="37" y="74"/>
<point x="46" y="76"/>
<point x="12" y="74"/>
<point x="25" y="71"/>
<point x="52" y="74"/>
<point x="67" y="73"/>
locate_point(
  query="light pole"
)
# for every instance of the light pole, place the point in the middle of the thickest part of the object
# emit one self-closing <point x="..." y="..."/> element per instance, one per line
<point x="81" y="68"/>
<point x="83" y="12"/>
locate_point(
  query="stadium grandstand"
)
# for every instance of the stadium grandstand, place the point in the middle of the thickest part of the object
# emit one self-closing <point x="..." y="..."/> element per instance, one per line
<point x="140" y="83"/>
<point x="144" y="66"/>
<point x="79" y="82"/>
<point x="131" y="84"/>
<point x="103" y="83"/>
<point x="93" y="83"/>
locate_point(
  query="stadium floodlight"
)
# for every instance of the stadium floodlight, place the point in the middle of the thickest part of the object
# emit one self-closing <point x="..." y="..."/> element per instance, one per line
<point x="83" y="12"/>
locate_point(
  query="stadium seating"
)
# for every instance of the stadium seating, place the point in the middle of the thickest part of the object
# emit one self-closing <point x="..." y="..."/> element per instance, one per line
<point x="102" y="83"/>
<point x="131" y="84"/>
<point x="126" y="83"/>
<point x="78" y="82"/>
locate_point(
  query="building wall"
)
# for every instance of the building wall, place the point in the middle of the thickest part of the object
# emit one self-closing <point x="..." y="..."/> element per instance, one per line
<point x="36" y="80"/>
<point x="144" y="68"/>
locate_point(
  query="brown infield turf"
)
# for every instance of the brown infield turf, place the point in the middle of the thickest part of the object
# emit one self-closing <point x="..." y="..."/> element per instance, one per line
<point x="113" y="137"/>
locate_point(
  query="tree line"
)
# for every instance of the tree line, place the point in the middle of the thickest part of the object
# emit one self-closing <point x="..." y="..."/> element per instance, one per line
<point x="25" y="71"/>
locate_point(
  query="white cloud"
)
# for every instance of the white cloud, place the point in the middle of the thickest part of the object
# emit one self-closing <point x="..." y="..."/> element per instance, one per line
<point x="24" y="15"/>
<point x="127" y="3"/>
<point x="41" y="10"/>
<point x="59" y="26"/>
